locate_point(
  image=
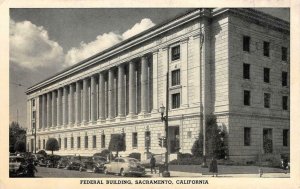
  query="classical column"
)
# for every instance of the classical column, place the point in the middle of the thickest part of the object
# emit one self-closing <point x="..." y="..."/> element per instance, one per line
<point x="78" y="103"/>
<point x="85" y="101"/>
<point x="111" y="109"/>
<point x="121" y="91"/>
<point x="49" y="117"/>
<point x="93" y="99"/>
<point x="54" y="123"/>
<point x="184" y="72"/>
<point x="132" y="89"/>
<point x="65" y="106"/>
<point x="44" y="110"/>
<point x="71" y="104"/>
<point x="155" y="81"/>
<point x="144" y="85"/>
<point x="101" y="96"/>
<point x="163" y="73"/>
<point x="59" y="107"/>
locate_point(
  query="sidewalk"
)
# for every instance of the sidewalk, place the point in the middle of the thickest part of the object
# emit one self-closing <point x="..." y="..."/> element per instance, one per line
<point x="224" y="171"/>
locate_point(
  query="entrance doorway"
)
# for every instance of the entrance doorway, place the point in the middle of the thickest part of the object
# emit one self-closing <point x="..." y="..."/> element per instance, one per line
<point x="174" y="139"/>
<point x="267" y="141"/>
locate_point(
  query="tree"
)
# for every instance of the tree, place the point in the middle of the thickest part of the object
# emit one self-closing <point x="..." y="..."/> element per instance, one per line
<point x="52" y="145"/>
<point x="20" y="146"/>
<point x="16" y="133"/>
<point x="216" y="140"/>
<point x="117" y="143"/>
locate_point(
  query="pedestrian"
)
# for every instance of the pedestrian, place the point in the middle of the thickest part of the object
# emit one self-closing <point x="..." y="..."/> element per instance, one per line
<point x="152" y="164"/>
<point x="213" y="167"/>
<point x="284" y="165"/>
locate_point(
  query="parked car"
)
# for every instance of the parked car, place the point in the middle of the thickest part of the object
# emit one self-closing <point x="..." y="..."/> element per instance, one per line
<point x="42" y="162"/>
<point x="17" y="166"/>
<point x="36" y="158"/>
<point x="63" y="162"/>
<point x="94" y="164"/>
<point x="73" y="165"/>
<point x="124" y="166"/>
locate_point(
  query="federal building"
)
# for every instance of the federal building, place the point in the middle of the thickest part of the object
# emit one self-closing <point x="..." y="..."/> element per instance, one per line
<point x="233" y="63"/>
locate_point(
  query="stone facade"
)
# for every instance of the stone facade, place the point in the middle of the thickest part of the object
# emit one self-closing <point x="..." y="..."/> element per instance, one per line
<point x="121" y="89"/>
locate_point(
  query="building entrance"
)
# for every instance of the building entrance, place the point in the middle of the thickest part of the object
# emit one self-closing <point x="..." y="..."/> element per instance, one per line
<point x="174" y="139"/>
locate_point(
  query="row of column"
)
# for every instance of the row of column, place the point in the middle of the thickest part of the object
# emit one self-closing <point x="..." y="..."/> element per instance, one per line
<point x="79" y="103"/>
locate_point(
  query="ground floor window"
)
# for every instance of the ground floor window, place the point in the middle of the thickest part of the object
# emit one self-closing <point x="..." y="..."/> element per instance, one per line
<point x="247" y="136"/>
<point x="66" y="142"/>
<point x="86" y="142"/>
<point x="59" y="143"/>
<point x="285" y="137"/>
<point x="78" y="142"/>
<point x="72" y="142"/>
<point x="267" y="141"/>
<point x="147" y="139"/>
<point x="94" y="141"/>
<point x="103" y="141"/>
<point x="44" y="143"/>
<point x="134" y="139"/>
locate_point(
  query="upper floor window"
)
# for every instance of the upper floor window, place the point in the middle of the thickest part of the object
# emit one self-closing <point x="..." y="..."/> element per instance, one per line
<point x="246" y="71"/>
<point x="175" y="77"/>
<point x="33" y="102"/>
<point x="246" y="43"/>
<point x="267" y="75"/>
<point x="285" y="102"/>
<point x="175" y="100"/>
<point x="175" y="52"/>
<point x="284" y="79"/>
<point x="266" y="49"/>
<point x="283" y="53"/>
<point x="267" y="97"/>
<point x="246" y="98"/>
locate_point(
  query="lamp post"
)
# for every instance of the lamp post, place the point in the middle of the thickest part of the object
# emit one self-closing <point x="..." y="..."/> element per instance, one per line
<point x="163" y="109"/>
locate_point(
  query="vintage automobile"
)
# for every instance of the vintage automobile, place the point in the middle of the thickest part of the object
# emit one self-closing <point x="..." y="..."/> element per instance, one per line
<point x="94" y="164"/>
<point x="124" y="166"/>
<point x="73" y="165"/>
<point x="17" y="166"/>
<point x="63" y="162"/>
<point x="36" y="158"/>
<point x="42" y="162"/>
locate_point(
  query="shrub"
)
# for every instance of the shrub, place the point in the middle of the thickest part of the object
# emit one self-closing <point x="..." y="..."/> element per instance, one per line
<point x="43" y="152"/>
<point x="135" y="155"/>
<point x="117" y="143"/>
<point x="103" y="153"/>
<point x="20" y="146"/>
<point x="187" y="161"/>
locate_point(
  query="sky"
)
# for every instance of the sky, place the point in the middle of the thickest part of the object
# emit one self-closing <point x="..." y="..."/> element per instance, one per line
<point x="45" y="41"/>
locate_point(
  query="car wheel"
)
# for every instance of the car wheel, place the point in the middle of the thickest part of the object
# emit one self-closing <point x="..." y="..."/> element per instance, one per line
<point x="105" y="171"/>
<point x="94" y="170"/>
<point x="122" y="172"/>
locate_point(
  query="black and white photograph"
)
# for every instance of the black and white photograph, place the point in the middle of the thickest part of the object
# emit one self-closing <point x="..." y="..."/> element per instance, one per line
<point x="174" y="96"/>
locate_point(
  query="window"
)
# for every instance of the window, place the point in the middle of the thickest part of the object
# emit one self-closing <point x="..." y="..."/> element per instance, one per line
<point x="33" y="115"/>
<point x="247" y="136"/>
<point x="175" y="53"/>
<point x="59" y="143"/>
<point x="33" y="102"/>
<point x="246" y="71"/>
<point x="284" y="78"/>
<point x="94" y="141"/>
<point x="72" y="142"/>
<point x="285" y="137"/>
<point x="267" y="97"/>
<point x="266" y="49"/>
<point x="43" y="143"/>
<point x="33" y="125"/>
<point x="246" y="43"/>
<point x="189" y="134"/>
<point x="246" y="98"/>
<point x="175" y="100"/>
<point x="39" y="144"/>
<point x="134" y="140"/>
<point x="78" y="142"/>
<point x="147" y="139"/>
<point x="283" y="53"/>
<point x="66" y="142"/>
<point x="175" y="77"/>
<point x="86" y="142"/>
<point x="103" y="141"/>
<point x="266" y="75"/>
<point x="285" y="102"/>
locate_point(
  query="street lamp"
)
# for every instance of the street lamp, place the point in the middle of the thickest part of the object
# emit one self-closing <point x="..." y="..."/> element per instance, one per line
<point x="162" y="109"/>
